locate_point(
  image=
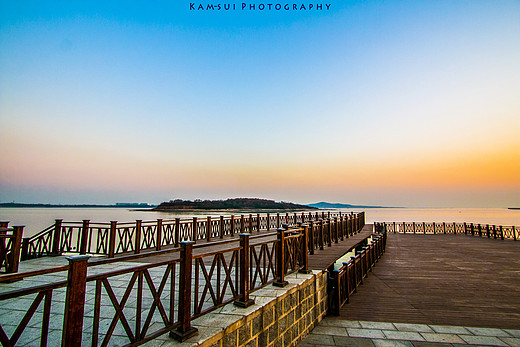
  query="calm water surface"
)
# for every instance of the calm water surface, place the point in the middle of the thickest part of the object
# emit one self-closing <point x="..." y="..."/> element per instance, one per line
<point x="36" y="219"/>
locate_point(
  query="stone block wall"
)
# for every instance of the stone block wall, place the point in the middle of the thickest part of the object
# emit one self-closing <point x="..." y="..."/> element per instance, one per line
<point x="279" y="317"/>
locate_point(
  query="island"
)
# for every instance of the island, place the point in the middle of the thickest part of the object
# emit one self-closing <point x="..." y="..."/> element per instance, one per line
<point x="231" y="204"/>
<point x="328" y="205"/>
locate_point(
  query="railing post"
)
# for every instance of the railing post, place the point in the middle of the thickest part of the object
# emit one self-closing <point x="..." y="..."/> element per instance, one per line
<point x="177" y="232"/>
<point x="232" y="225"/>
<point x="514" y="233"/>
<point x="208" y="228"/>
<point x="25" y="248"/>
<point x="434" y="229"/>
<point x="159" y="235"/>
<point x="221" y="229"/>
<point x="84" y="237"/>
<point x="258" y="222"/>
<point x="194" y="230"/>
<point x="185" y="330"/>
<point x="137" y="248"/>
<point x="56" y="237"/>
<point x="112" y="239"/>
<point x="355" y="271"/>
<point x="322" y="238"/>
<point x="277" y="220"/>
<point x="242" y="224"/>
<point x="16" y="245"/>
<point x="3" y="245"/>
<point x="75" y="301"/>
<point x="250" y="223"/>
<point x="268" y="222"/>
<point x="280" y="259"/>
<point x="336" y="298"/>
<point x="329" y="232"/>
<point x="305" y="251"/>
<point x="244" y="301"/>
<point x="343" y="227"/>
<point x="311" y="237"/>
<point x="501" y="233"/>
<point x="336" y="229"/>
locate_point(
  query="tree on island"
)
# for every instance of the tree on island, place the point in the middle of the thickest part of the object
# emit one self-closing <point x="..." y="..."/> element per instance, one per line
<point x="234" y="204"/>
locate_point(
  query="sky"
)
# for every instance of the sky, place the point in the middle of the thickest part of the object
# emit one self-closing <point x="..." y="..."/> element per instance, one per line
<point x="394" y="103"/>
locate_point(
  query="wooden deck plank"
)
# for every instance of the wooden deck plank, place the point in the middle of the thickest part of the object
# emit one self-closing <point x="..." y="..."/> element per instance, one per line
<point x="322" y="259"/>
<point x="442" y="279"/>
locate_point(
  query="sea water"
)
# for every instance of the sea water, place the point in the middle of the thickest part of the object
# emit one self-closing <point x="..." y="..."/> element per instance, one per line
<point x="37" y="219"/>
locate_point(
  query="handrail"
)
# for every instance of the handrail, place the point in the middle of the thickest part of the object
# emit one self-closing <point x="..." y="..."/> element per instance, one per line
<point x="180" y="287"/>
<point x="483" y="230"/>
<point x="346" y="280"/>
<point x="111" y="238"/>
<point x="10" y="243"/>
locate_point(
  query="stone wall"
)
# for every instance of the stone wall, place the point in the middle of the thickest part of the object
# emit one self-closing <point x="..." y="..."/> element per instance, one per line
<point x="279" y="317"/>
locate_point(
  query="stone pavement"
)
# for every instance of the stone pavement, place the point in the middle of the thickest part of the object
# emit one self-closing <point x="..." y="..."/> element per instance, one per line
<point x="338" y="332"/>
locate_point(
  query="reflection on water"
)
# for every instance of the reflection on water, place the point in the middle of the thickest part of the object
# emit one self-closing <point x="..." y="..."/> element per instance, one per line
<point x="36" y="219"/>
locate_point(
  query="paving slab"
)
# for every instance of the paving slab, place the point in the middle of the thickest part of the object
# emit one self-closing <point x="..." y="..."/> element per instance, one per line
<point x="483" y="340"/>
<point x="403" y="335"/>
<point x="489" y="332"/>
<point x="330" y="330"/>
<point x="391" y="343"/>
<point x="421" y="328"/>
<point x="446" y="329"/>
<point x="511" y="341"/>
<point x="447" y="338"/>
<point x="368" y="333"/>
<point x="377" y="325"/>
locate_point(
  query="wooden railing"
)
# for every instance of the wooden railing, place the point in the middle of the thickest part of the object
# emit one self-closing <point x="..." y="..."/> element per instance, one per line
<point x="115" y="238"/>
<point x="10" y="241"/>
<point x="345" y="280"/>
<point x="482" y="230"/>
<point x="149" y="299"/>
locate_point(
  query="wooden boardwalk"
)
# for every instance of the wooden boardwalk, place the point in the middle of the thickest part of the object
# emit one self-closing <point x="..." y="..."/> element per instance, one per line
<point x="442" y="279"/>
<point x="322" y="259"/>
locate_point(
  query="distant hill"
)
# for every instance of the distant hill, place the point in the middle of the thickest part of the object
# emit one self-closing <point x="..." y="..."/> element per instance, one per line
<point x="230" y="204"/>
<point x="339" y="205"/>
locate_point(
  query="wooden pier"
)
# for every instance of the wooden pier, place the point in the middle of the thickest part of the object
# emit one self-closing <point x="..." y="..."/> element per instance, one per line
<point x="136" y="296"/>
<point x="442" y="279"/>
<point x="444" y="274"/>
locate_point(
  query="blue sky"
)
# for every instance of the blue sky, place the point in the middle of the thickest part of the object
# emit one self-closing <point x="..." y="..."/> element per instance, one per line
<point x="374" y="102"/>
